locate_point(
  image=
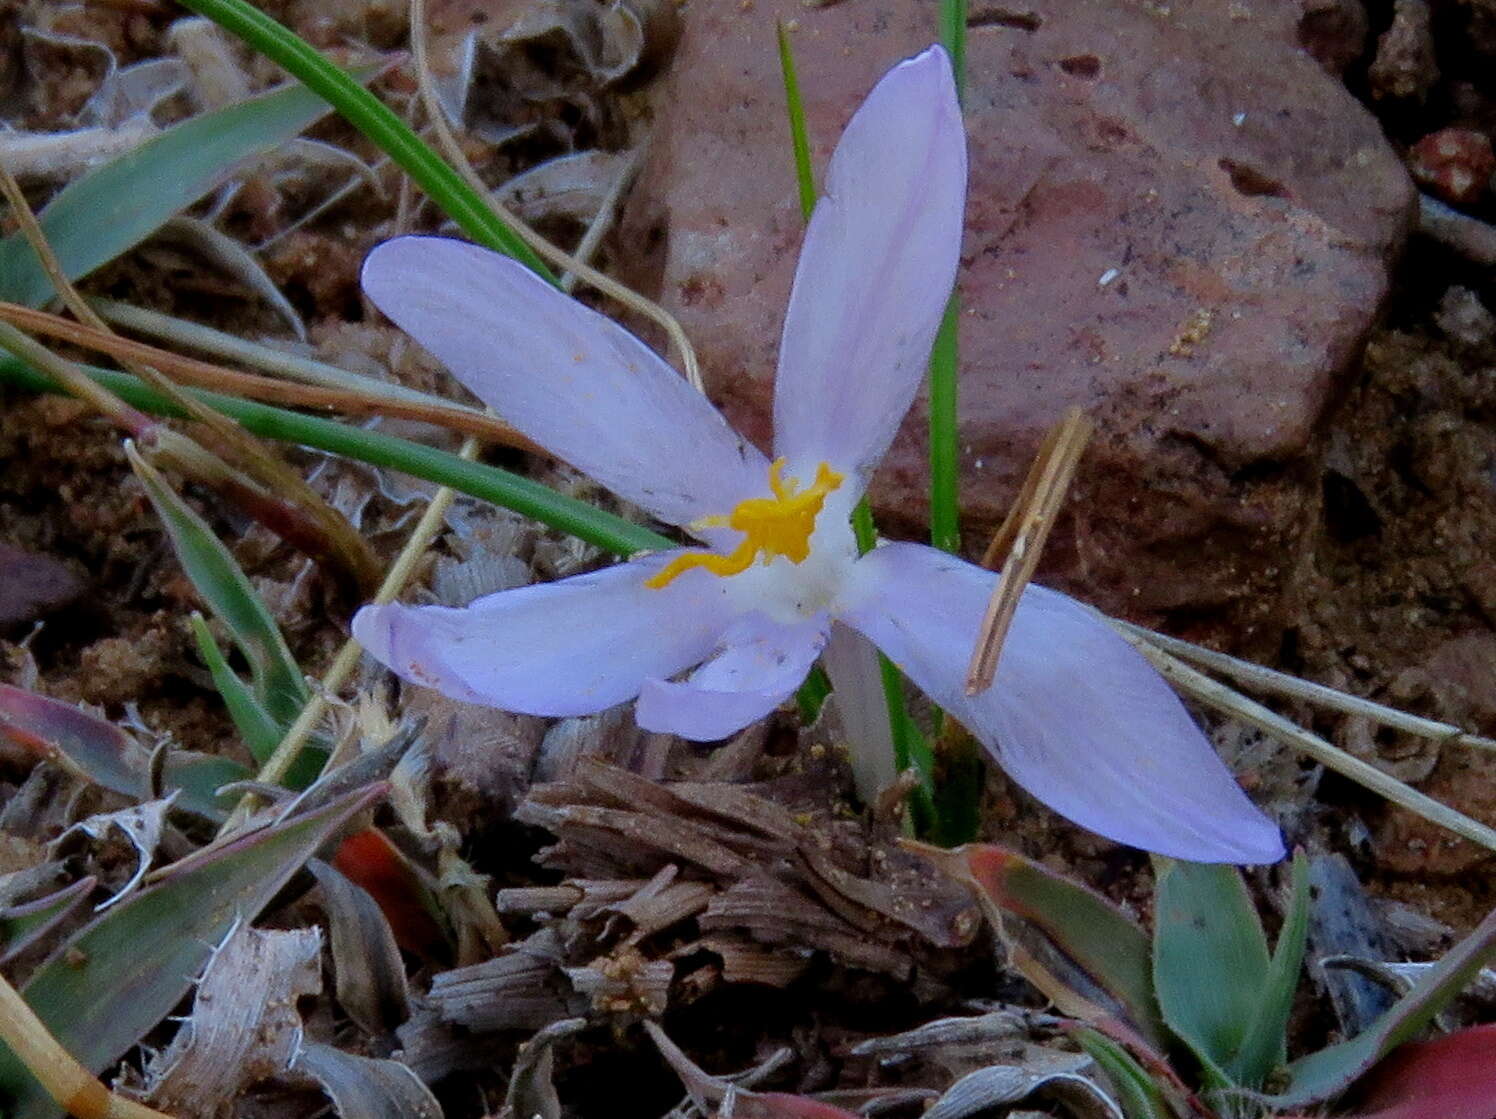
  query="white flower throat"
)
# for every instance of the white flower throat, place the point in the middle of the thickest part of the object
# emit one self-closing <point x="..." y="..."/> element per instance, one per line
<point x="802" y="557"/>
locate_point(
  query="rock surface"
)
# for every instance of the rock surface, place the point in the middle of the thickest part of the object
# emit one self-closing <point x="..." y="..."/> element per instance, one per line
<point x="1177" y="221"/>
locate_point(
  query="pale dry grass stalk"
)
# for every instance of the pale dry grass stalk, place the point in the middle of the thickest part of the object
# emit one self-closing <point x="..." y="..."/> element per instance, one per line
<point x="71" y="1085"/>
<point x="1221" y="698"/>
<point x="1274" y="682"/>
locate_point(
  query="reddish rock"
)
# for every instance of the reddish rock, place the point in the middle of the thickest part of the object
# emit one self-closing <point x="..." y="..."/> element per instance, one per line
<point x="1177" y="221"/>
<point x="1454" y="163"/>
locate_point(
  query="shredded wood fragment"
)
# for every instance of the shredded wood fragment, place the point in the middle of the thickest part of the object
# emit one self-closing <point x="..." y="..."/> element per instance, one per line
<point x="244" y="1026"/>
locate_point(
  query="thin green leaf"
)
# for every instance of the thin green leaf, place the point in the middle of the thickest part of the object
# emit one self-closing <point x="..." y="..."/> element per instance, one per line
<point x="1210" y="958"/>
<point x="812" y="695"/>
<point x="1265" y="1046"/>
<point x="945" y="482"/>
<point x="121" y="974"/>
<point x="805" y="177"/>
<point x="277" y="680"/>
<point x="114" y="207"/>
<point x="1323" y="1075"/>
<point x="260" y="732"/>
<point x="375" y="120"/>
<point x="1141" y="1098"/>
<point x="959" y="777"/>
<point x="953" y="39"/>
<point x="945" y="503"/>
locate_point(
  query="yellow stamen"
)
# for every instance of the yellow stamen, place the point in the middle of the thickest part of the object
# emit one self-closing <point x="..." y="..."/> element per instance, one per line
<point x="771" y="526"/>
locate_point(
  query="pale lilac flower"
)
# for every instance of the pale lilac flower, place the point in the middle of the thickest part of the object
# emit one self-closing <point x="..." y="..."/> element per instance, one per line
<point x="1076" y="716"/>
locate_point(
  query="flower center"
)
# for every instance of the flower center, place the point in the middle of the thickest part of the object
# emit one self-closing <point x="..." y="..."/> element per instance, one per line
<point x="771" y="526"/>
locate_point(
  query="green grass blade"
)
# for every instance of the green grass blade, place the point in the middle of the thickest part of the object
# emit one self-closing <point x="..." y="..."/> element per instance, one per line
<point x="114" y="207"/>
<point x="953" y="39"/>
<point x="260" y="732"/>
<point x="945" y="501"/>
<point x="278" y="683"/>
<point x="487" y="483"/>
<point x="805" y="177"/>
<point x="1325" y="1074"/>
<point x="121" y="974"/>
<point x="375" y="120"/>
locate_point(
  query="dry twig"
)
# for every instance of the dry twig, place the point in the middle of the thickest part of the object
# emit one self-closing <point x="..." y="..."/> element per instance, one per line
<point x="1019" y="542"/>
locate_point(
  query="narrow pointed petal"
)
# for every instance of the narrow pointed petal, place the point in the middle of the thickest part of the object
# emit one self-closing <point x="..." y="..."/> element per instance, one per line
<point x="571" y="379"/>
<point x="851" y="662"/>
<point x="1075" y="715"/>
<point x="875" y="273"/>
<point x="758" y="664"/>
<point x="571" y="647"/>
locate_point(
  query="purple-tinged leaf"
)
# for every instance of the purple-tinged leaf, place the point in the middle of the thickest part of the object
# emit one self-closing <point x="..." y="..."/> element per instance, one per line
<point x="97" y="751"/>
<point x="1069" y="941"/>
<point x="1450" y="1077"/>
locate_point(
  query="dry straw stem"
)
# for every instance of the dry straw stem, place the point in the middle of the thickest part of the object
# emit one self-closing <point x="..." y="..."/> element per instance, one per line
<point x="63" y="1078"/>
<point x="572" y="263"/>
<point x="250" y="386"/>
<point x="1019" y="542"/>
<point x="241" y="351"/>
<point x="1281" y="683"/>
<point x="1222" y="698"/>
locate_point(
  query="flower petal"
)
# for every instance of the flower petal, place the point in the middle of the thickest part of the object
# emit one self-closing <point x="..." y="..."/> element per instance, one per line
<point x="571" y="379"/>
<point x="1075" y="715"/>
<point x="851" y="662"/>
<point x="758" y="664"/>
<point x="875" y="273"/>
<point x="566" y="648"/>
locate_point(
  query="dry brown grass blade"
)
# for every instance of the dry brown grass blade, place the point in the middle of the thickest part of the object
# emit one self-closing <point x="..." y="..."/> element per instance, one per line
<point x="1020" y="540"/>
<point x="64" y="1079"/>
<point x="254" y="386"/>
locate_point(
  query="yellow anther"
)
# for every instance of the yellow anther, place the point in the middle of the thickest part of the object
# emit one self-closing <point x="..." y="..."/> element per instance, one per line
<point x="771" y="526"/>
